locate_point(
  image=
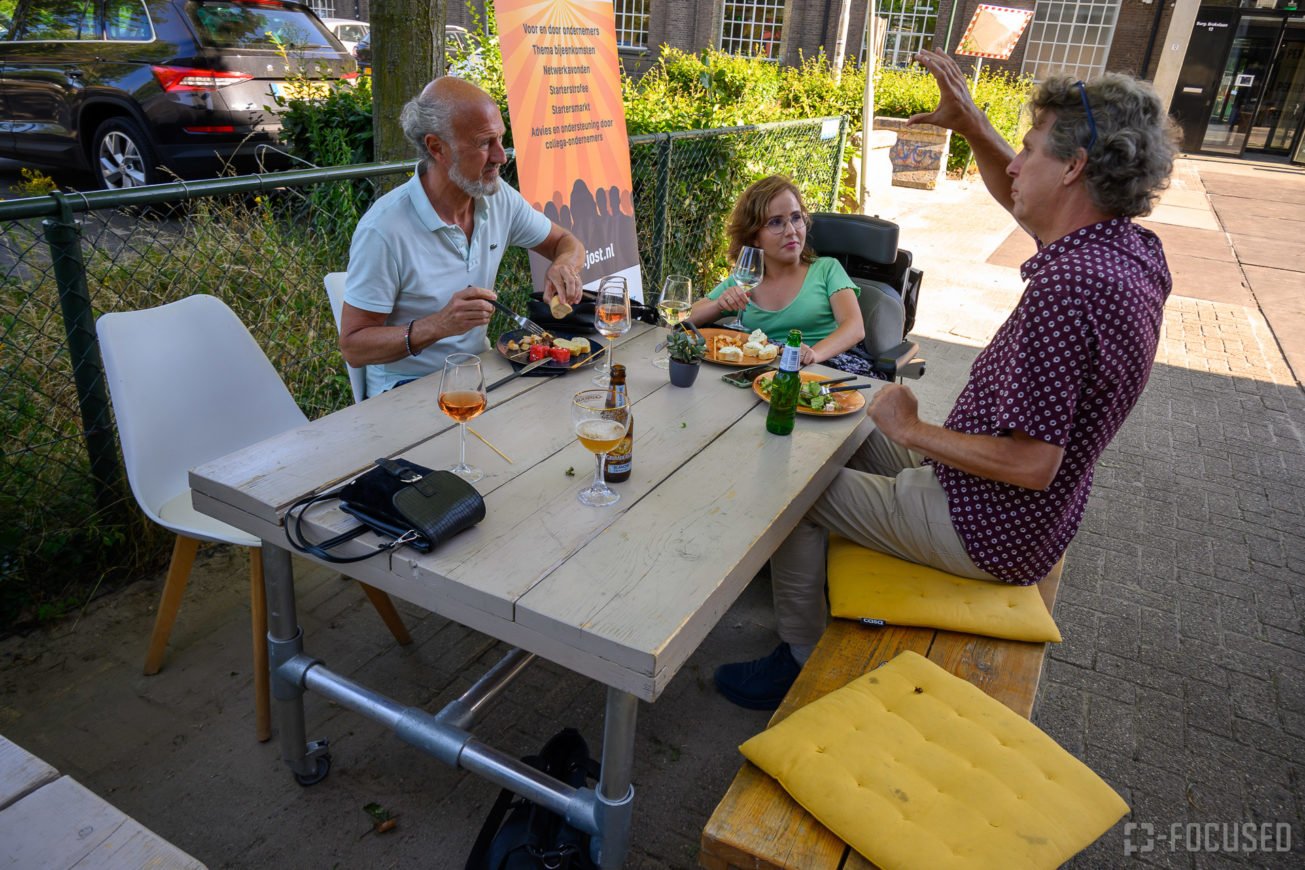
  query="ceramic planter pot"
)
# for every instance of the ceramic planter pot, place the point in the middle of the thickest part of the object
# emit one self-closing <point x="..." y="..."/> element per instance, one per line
<point x="683" y="374"/>
<point x="919" y="155"/>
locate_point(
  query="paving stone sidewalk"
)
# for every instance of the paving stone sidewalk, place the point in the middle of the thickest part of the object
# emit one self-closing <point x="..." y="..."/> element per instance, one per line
<point x="1181" y="679"/>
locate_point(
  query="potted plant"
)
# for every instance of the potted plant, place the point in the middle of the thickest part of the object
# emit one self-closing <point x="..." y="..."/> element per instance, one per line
<point x="686" y="349"/>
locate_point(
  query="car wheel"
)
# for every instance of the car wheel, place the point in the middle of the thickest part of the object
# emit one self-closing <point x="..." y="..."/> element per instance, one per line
<point x="122" y="156"/>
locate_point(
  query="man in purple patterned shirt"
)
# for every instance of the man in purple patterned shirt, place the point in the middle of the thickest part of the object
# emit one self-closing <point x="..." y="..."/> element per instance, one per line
<point x="997" y="492"/>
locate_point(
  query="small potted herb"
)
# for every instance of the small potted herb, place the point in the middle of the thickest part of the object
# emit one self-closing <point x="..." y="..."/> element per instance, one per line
<point x="686" y="349"/>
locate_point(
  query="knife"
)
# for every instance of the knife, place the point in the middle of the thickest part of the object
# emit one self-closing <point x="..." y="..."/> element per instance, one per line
<point x="519" y="372"/>
<point x="855" y="387"/>
<point x="524" y="322"/>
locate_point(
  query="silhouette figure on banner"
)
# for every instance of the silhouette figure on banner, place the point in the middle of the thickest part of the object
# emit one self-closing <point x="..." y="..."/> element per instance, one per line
<point x="599" y="219"/>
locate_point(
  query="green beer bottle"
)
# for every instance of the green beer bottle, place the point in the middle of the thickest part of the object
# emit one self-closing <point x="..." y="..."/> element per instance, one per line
<point x="784" y="388"/>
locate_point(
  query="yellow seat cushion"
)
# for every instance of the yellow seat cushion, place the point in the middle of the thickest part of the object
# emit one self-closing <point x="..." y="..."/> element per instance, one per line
<point x="867" y="584"/>
<point x="915" y="767"/>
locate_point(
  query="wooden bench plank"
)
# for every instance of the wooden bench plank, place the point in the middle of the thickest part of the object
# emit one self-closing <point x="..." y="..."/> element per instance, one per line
<point x="63" y="825"/>
<point x="759" y="827"/>
<point x="21" y="773"/>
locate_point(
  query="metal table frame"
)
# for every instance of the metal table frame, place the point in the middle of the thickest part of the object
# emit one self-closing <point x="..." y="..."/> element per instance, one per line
<point x="604" y="813"/>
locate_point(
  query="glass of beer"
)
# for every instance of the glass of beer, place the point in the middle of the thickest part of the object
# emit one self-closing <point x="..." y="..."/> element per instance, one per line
<point x="601" y="420"/>
<point x="611" y="318"/>
<point x="677" y="298"/>
<point x="462" y="397"/>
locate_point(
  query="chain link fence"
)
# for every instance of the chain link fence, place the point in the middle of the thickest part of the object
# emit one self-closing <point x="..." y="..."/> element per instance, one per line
<point x="262" y="244"/>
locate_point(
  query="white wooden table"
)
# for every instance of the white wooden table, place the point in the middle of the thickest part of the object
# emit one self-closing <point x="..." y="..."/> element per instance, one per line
<point x="622" y="594"/>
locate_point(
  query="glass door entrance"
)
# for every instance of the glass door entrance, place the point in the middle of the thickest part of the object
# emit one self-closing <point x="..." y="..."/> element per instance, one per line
<point x="1282" y="105"/>
<point x="1237" y="101"/>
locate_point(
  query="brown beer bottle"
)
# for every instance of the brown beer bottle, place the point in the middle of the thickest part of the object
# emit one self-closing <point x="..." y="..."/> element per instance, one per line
<point x="617" y="465"/>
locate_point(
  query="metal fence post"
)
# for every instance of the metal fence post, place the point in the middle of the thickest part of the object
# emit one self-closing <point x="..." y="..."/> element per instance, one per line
<point x="661" y="205"/>
<point x="63" y="235"/>
<point x="838" y="162"/>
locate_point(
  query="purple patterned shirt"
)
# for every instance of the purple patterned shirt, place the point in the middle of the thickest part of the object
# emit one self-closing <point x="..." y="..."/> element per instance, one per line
<point x="1066" y="367"/>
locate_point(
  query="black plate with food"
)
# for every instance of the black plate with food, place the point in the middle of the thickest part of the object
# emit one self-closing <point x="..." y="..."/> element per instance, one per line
<point x="516" y="347"/>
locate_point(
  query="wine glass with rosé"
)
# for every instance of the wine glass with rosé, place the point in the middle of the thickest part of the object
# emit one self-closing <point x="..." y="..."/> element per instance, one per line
<point x="462" y="398"/>
<point x="601" y="419"/>
<point x="611" y="318"/>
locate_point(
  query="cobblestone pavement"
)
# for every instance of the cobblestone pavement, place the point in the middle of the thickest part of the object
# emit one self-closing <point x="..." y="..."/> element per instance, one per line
<point x="1181" y="679"/>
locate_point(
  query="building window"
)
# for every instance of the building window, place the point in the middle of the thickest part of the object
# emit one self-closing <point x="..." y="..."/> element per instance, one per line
<point x="755" y="28"/>
<point x="910" y="28"/>
<point x="631" y="23"/>
<point x="1070" y="38"/>
<point x="323" y="8"/>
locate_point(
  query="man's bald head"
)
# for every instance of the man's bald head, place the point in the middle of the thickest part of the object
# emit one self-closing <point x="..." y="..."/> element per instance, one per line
<point x="434" y="111"/>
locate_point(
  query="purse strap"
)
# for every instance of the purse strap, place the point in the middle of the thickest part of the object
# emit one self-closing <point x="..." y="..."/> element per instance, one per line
<point x="294" y="533"/>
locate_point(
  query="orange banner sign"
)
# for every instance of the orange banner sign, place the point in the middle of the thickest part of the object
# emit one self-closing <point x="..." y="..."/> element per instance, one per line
<point x="568" y="127"/>
<point x="994" y="31"/>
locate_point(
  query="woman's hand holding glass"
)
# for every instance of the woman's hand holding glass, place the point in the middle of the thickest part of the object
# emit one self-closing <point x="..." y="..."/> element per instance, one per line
<point x="749" y="270"/>
<point x="674" y="305"/>
<point x="462" y="397"/>
<point x="601" y="419"/>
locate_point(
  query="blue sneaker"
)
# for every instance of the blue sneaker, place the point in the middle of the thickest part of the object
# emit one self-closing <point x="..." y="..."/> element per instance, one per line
<point x="760" y="684"/>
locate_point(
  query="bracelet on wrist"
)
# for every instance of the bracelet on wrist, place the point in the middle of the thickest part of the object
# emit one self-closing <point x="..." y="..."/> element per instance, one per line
<point x="407" y="339"/>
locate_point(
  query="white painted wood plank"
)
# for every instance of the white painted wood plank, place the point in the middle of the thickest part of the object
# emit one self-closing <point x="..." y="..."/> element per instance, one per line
<point x="21" y="772"/>
<point x="403" y="583"/>
<point x="677" y="560"/>
<point x="64" y="825"/>
<point x="264" y="478"/>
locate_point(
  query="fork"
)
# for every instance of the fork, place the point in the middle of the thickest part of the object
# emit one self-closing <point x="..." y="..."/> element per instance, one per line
<point x="524" y="322"/>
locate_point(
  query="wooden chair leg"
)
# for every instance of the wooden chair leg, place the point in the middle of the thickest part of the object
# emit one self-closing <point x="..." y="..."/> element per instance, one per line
<point x="258" y="626"/>
<point x="183" y="557"/>
<point x="385" y="607"/>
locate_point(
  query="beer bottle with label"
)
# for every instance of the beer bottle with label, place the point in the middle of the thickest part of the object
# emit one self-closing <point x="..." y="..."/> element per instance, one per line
<point x="618" y="463"/>
<point x="784" y="387"/>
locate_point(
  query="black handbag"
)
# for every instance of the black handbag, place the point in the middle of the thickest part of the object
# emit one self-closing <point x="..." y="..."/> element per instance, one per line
<point x="401" y="500"/>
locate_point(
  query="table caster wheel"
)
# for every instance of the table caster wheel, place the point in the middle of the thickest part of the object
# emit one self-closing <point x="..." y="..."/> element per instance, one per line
<point x="323" y="768"/>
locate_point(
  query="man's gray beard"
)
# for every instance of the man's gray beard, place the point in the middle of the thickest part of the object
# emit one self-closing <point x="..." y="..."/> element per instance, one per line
<point x="472" y="187"/>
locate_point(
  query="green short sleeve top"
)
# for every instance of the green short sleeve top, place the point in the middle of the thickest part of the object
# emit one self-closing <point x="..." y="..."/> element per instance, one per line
<point x="810" y="311"/>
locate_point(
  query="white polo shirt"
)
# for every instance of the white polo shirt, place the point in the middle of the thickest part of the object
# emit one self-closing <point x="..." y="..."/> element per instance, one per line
<point x="406" y="262"/>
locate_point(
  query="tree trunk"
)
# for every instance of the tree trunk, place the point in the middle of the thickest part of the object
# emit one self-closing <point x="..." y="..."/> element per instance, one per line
<point x="407" y="49"/>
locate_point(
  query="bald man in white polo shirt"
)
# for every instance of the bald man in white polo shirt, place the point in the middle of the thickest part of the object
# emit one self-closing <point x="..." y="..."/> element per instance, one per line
<point x="424" y="258"/>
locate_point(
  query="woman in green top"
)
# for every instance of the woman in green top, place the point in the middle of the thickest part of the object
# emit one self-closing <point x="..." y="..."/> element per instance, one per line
<point x="799" y="290"/>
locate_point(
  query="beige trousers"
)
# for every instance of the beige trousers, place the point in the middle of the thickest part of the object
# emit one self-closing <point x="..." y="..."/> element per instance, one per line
<point x="883" y="499"/>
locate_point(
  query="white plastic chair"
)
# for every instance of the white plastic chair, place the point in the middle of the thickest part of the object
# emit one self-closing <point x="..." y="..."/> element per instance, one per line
<point x="189" y="384"/>
<point x="334" y="282"/>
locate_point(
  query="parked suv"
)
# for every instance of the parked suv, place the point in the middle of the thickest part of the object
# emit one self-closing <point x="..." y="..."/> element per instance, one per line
<point x="122" y="87"/>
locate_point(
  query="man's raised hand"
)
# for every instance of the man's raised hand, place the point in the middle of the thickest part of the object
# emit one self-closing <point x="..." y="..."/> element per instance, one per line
<point x="956" y="109"/>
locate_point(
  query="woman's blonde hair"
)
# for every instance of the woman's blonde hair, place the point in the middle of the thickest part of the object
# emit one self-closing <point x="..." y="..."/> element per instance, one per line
<point x="749" y="215"/>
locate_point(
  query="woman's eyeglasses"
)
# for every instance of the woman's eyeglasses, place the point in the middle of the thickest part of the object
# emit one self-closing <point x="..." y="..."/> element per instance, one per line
<point x="1087" y="107"/>
<point x="778" y="225"/>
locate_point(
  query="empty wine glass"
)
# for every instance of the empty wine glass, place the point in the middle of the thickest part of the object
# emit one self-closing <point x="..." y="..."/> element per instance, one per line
<point x="749" y="269"/>
<point x="601" y="419"/>
<point x="611" y="318"/>
<point x="677" y="298"/>
<point x="462" y="397"/>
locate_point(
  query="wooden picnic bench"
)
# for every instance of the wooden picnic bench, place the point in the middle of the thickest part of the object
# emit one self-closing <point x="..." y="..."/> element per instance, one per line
<point x="53" y="821"/>
<point x="758" y="826"/>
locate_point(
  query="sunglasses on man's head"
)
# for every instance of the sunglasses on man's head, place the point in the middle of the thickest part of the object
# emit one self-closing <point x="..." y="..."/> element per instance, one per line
<point x="1087" y="107"/>
<point x="778" y="225"/>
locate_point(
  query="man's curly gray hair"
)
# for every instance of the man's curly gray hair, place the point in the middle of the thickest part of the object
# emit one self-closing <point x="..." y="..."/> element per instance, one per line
<point x="1129" y="163"/>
